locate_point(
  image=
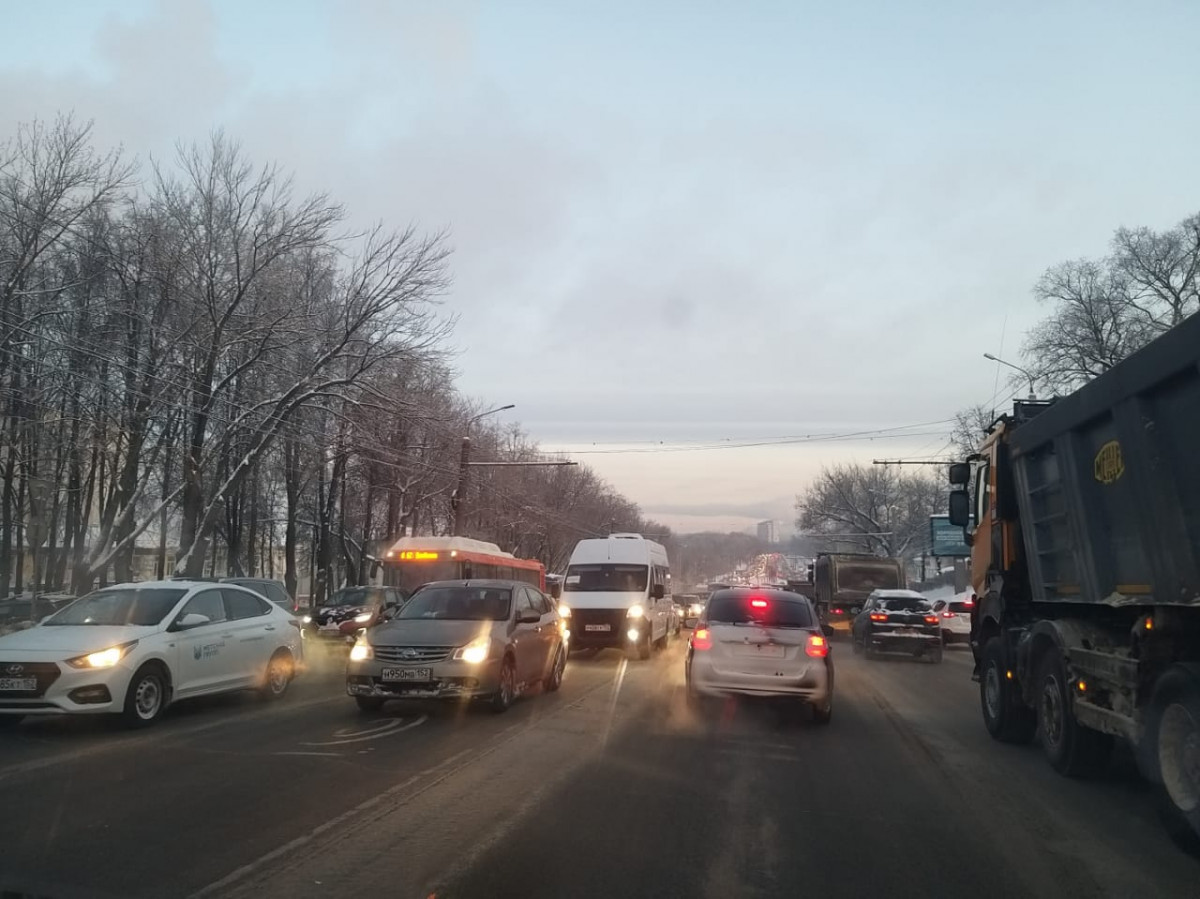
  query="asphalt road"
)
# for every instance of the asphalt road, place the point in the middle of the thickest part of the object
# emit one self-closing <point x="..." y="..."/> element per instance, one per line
<point x="611" y="787"/>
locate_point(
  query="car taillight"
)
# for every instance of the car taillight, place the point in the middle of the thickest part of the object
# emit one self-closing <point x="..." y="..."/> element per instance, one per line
<point x="947" y="614"/>
<point x="817" y="647"/>
<point x="837" y="611"/>
<point x="758" y="603"/>
<point x="878" y="616"/>
<point x="701" y="638"/>
<point x="931" y="619"/>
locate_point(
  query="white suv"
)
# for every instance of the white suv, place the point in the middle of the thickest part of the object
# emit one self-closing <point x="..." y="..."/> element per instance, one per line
<point x="955" y="617"/>
<point x="134" y="648"/>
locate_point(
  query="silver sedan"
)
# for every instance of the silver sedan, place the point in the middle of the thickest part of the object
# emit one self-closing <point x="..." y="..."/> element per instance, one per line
<point x="761" y="642"/>
<point x="480" y="639"/>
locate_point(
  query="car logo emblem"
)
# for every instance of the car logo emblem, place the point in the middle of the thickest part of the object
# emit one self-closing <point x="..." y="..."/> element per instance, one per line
<point x="14" y="669"/>
<point x="408" y="653"/>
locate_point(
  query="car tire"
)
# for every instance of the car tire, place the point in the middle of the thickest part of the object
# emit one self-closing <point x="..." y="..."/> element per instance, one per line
<point x="555" y="678"/>
<point x="643" y="648"/>
<point x="280" y="670"/>
<point x="856" y="646"/>
<point x="869" y="651"/>
<point x="506" y="690"/>
<point x="823" y="714"/>
<point x="146" y="696"/>
<point x="1072" y="749"/>
<point x="1005" y="716"/>
<point x="368" y="703"/>
<point x="1173" y="727"/>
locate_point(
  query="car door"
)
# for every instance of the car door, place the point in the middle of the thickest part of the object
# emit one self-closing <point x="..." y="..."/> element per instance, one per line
<point x="551" y="635"/>
<point x="861" y="619"/>
<point x="253" y="630"/>
<point x="205" y="653"/>
<point x="528" y="643"/>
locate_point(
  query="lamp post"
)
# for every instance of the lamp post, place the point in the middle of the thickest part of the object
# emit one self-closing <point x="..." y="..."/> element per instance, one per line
<point x="1032" y="392"/>
<point x="459" y="496"/>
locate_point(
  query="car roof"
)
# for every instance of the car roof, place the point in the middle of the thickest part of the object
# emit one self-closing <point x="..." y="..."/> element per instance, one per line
<point x="780" y="592"/>
<point x="479" y="582"/>
<point x="899" y="594"/>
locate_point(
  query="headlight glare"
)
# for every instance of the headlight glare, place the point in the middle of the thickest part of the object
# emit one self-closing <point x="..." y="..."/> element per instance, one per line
<point x="564" y="610"/>
<point x="474" y="652"/>
<point x="361" y="651"/>
<point x="635" y="611"/>
<point x="104" y="658"/>
<point x="307" y="619"/>
<point x="365" y="616"/>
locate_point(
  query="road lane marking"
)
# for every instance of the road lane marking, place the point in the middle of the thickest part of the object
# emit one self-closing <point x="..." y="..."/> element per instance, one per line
<point x="335" y="755"/>
<point x="391" y="727"/>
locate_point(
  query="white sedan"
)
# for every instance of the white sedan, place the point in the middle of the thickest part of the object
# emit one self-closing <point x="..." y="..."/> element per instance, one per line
<point x="135" y="648"/>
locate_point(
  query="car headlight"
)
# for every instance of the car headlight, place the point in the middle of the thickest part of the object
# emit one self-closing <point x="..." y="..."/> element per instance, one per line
<point x="361" y="651"/>
<point x="364" y="617"/>
<point x="474" y="652"/>
<point x="307" y="619"/>
<point x="696" y="609"/>
<point x="635" y="611"/>
<point x="564" y="610"/>
<point x="105" y="658"/>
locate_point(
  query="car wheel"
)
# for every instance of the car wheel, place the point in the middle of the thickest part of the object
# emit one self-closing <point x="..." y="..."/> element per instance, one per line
<point x="823" y="713"/>
<point x="146" y="697"/>
<point x="368" y="703"/>
<point x="1070" y="748"/>
<point x="506" y="691"/>
<point x="855" y="645"/>
<point x="278" y="675"/>
<point x="869" y="650"/>
<point x="644" y="648"/>
<point x="1005" y="715"/>
<point x="554" y="679"/>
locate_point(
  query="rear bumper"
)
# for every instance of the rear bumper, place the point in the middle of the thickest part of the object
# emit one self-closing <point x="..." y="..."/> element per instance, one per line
<point x="911" y="642"/>
<point x="811" y="685"/>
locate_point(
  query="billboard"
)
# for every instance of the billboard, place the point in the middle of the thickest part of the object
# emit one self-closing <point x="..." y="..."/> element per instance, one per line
<point x="945" y="539"/>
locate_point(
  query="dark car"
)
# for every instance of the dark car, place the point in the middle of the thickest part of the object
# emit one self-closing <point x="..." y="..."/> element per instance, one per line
<point x="270" y="589"/>
<point x="898" y="621"/>
<point x="347" y="611"/>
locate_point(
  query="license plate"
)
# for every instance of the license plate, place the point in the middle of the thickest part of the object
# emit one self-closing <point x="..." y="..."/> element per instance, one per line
<point x="330" y="628"/>
<point x="420" y="675"/>
<point x="760" y="651"/>
<point x="597" y="627"/>
<point x="18" y="683"/>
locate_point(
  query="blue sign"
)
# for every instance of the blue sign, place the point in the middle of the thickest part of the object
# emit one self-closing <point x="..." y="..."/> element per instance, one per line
<point x="946" y="539"/>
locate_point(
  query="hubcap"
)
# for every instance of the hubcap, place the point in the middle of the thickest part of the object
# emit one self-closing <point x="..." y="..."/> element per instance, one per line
<point x="1052" y="710"/>
<point x="147" y="698"/>
<point x="506" y="684"/>
<point x="277" y="675"/>
<point x="558" y="667"/>
<point x="1179" y="756"/>
<point x="991" y="691"/>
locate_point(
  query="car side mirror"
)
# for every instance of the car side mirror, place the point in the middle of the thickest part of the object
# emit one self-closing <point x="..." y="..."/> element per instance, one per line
<point x="190" y="620"/>
<point x="960" y="474"/>
<point x="658" y="591"/>
<point x="960" y="508"/>
<point x="528" y="616"/>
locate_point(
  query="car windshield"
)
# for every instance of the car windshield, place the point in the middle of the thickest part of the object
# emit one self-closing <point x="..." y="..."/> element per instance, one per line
<point x="458" y="603"/>
<point x="767" y="610"/>
<point x="144" y="607"/>
<point x="905" y="604"/>
<point x="610" y="578"/>
<point x="351" y="596"/>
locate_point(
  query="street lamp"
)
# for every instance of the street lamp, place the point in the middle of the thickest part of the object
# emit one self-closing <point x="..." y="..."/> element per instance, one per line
<point x="459" y="496"/>
<point x="1032" y="392"/>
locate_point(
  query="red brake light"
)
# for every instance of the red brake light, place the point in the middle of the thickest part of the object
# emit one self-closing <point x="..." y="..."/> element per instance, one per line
<point x="701" y="638"/>
<point x="931" y="619"/>
<point x="878" y="616"/>
<point x="837" y="611"/>
<point x="817" y="647"/>
<point x="758" y="603"/>
<point x="947" y="614"/>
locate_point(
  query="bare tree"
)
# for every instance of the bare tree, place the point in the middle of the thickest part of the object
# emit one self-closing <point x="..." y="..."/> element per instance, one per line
<point x="970" y="426"/>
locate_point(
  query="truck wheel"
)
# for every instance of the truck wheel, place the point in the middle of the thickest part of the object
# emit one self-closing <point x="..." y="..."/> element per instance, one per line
<point x="1071" y="748"/>
<point x="1005" y="716"/>
<point x="1175" y="731"/>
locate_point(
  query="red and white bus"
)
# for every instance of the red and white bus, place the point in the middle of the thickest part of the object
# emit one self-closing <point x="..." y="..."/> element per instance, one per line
<point x="413" y="561"/>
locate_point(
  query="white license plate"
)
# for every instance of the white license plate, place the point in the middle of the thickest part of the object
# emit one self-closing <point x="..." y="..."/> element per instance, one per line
<point x="597" y="627"/>
<point x="18" y="683"/>
<point x="419" y="675"/>
<point x="760" y="651"/>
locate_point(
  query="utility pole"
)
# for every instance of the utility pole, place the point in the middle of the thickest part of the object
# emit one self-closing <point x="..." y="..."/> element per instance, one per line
<point x="458" y="497"/>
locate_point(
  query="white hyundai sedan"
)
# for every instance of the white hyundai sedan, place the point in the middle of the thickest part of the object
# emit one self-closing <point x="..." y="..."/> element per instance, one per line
<point x="135" y="648"/>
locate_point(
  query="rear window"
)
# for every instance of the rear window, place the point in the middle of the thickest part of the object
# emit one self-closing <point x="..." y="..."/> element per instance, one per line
<point x="768" y="610"/>
<point x="906" y="604"/>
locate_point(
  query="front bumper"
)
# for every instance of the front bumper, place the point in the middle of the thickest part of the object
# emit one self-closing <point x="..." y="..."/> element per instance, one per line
<point x="808" y="681"/>
<point x="450" y="680"/>
<point x="69" y="691"/>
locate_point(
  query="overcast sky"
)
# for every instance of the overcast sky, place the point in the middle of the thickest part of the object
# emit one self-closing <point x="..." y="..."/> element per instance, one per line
<point x="682" y="224"/>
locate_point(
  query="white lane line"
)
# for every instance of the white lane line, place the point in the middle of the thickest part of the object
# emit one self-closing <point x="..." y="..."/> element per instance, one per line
<point x="336" y="755"/>
<point x="394" y="727"/>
